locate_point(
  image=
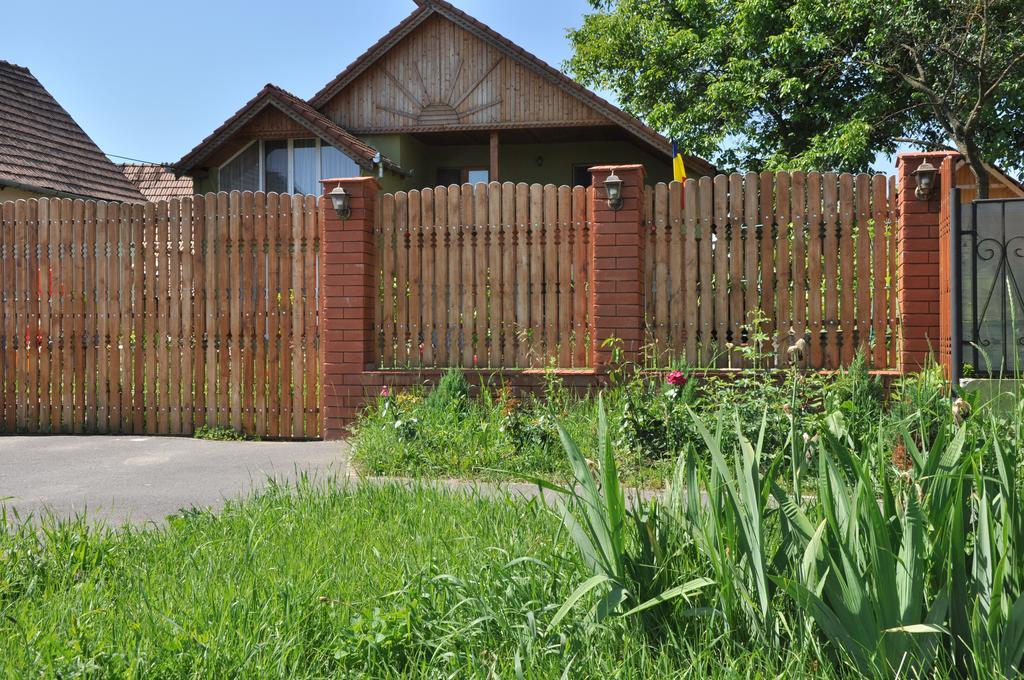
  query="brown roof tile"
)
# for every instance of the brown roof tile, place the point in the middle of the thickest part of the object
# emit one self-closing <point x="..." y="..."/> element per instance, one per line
<point x="301" y="112"/>
<point x="43" y="148"/>
<point x="157" y="182"/>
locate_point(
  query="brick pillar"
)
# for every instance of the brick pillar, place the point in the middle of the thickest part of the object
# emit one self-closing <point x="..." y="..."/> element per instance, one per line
<point x="918" y="251"/>
<point x="346" y="302"/>
<point x="616" y="272"/>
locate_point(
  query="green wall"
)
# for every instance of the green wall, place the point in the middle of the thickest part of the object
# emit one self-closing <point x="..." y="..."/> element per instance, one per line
<point x="530" y="163"/>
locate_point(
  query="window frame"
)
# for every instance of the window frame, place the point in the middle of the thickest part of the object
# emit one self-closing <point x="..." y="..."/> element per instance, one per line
<point x="291" y="161"/>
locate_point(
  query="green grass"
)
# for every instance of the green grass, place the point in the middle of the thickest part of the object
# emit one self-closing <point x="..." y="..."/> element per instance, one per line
<point x="320" y="581"/>
<point x="495" y="435"/>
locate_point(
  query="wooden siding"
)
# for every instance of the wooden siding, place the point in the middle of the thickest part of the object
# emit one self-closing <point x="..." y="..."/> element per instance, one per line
<point x="999" y="186"/>
<point x="441" y="76"/>
<point x="271" y="123"/>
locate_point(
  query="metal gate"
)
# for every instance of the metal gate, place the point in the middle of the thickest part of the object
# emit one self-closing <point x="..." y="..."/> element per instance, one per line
<point x="987" y="268"/>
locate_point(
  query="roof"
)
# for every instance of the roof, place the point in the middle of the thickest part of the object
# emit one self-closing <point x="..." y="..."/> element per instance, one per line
<point x="157" y="182"/>
<point x="296" y="109"/>
<point x="43" y="149"/>
<point x="426" y="8"/>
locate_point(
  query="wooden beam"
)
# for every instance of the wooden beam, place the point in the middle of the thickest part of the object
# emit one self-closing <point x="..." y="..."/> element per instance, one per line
<point x="494" y="170"/>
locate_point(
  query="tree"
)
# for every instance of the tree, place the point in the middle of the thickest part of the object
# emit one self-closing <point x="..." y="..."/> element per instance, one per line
<point x="805" y="84"/>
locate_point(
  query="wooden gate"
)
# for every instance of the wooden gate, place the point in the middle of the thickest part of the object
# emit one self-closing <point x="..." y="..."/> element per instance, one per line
<point x="159" y="318"/>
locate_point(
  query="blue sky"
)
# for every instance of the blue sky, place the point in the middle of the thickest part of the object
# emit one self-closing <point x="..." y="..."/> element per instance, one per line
<point x="149" y="80"/>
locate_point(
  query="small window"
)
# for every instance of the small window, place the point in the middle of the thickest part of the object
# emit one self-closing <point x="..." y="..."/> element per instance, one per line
<point x="449" y="176"/>
<point x="475" y="176"/>
<point x="581" y="174"/>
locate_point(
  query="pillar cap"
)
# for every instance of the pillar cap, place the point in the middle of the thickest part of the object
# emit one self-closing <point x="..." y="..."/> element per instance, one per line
<point x="907" y="156"/>
<point x="618" y="168"/>
<point x="329" y="184"/>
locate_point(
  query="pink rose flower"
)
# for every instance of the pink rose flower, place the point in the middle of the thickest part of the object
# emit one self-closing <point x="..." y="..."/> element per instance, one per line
<point x="385" y="392"/>
<point x="676" y="378"/>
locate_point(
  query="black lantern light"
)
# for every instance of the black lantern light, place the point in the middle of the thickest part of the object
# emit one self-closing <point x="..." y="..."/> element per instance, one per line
<point x="340" y="200"/>
<point x="613" y="185"/>
<point x="926" y="174"/>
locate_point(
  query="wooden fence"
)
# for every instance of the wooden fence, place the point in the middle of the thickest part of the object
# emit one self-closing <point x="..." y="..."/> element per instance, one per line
<point x="486" y="275"/>
<point x="812" y="255"/>
<point x="160" y="318"/>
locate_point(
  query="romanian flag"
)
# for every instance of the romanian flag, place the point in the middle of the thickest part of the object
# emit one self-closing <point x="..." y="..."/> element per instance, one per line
<point x="678" y="166"/>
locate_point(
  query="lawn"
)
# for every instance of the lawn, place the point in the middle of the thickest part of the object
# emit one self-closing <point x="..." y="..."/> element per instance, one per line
<point x="322" y="581"/>
<point x="870" y="536"/>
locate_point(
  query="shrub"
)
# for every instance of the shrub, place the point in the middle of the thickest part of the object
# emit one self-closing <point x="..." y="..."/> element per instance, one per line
<point x="219" y="433"/>
<point x="451" y="393"/>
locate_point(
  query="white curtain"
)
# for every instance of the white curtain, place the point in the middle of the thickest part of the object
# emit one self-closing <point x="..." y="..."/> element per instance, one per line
<point x="335" y="164"/>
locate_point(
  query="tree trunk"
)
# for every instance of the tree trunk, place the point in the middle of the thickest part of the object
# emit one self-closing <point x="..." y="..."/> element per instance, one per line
<point x="974" y="159"/>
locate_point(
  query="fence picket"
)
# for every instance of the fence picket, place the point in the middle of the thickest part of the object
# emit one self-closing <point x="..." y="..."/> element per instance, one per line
<point x="677" y="301"/>
<point x="814" y="268"/>
<point x="660" y="240"/>
<point x="496" y="276"/>
<point x="847" y="259"/>
<point x="798" y="216"/>
<point x="831" y="210"/>
<point x="691" y="272"/>
<point x="863" y="310"/>
<point x="734" y="242"/>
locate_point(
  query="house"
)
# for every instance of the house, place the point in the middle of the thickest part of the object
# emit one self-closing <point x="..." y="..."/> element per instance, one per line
<point x="44" y="152"/>
<point x="1000" y="184"/>
<point x="440" y="99"/>
<point x="157" y="182"/>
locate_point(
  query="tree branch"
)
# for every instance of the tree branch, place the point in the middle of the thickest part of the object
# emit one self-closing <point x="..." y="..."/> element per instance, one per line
<point x="923" y="143"/>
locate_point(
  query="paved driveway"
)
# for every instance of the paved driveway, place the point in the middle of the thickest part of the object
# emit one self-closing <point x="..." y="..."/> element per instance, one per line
<point x="138" y="479"/>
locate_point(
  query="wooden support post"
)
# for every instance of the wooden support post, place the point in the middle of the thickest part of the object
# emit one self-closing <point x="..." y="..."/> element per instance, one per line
<point x="495" y="170"/>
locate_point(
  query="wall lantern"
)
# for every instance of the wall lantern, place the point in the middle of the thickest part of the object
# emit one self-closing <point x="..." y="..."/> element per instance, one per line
<point x="925" y="174"/>
<point x="340" y="198"/>
<point x="613" y="185"/>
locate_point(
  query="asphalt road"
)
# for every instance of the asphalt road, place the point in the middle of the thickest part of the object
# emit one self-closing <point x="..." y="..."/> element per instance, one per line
<point x="140" y="479"/>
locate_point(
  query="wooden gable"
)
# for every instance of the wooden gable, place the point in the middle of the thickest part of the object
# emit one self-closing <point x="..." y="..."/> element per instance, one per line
<point x="999" y="185"/>
<point x="442" y="76"/>
<point x="270" y="123"/>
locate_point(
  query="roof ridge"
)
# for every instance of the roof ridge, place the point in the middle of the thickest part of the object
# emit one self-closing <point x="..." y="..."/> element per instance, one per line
<point x="299" y="110"/>
<point x="16" y="67"/>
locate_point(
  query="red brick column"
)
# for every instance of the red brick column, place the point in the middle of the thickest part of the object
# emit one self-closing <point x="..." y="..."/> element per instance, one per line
<point x="346" y="302"/>
<point x="616" y="272"/>
<point x="918" y="254"/>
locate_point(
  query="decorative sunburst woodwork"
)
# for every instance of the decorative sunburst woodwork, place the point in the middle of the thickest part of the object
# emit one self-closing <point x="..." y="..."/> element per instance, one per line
<point x="436" y="107"/>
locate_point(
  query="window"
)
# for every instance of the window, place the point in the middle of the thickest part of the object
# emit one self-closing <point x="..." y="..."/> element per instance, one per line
<point x="243" y="171"/>
<point x="449" y="176"/>
<point x="275" y="167"/>
<point x="334" y="163"/>
<point x="285" y="166"/>
<point x="305" y="178"/>
<point x="475" y="176"/>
